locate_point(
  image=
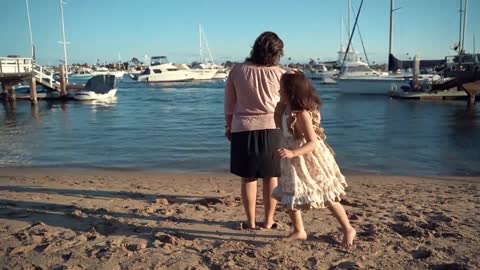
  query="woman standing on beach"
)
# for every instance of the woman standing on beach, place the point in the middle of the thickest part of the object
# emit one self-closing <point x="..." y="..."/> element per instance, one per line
<point x="251" y="95"/>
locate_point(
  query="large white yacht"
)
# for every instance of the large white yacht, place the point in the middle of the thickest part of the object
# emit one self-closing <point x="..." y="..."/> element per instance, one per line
<point x="161" y="70"/>
<point x="358" y="78"/>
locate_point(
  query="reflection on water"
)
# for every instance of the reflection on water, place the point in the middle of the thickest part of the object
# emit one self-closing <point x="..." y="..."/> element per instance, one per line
<point x="180" y="127"/>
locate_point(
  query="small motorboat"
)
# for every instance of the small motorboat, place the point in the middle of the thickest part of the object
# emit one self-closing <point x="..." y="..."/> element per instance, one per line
<point x="23" y="92"/>
<point x="98" y="87"/>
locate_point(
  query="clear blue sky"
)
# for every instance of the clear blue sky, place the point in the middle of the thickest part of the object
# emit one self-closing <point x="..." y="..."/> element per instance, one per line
<point x="100" y="29"/>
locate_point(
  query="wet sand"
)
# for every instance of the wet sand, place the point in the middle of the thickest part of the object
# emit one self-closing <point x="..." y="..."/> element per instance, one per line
<point x="72" y="219"/>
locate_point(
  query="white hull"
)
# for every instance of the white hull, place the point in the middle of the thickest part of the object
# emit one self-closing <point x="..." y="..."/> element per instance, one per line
<point x="172" y="76"/>
<point x="90" y="95"/>
<point x="82" y="76"/>
<point x="450" y="93"/>
<point x="203" y="74"/>
<point x="372" y="86"/>
<point x="220" y="75"/>
<point x="117" y="74"/>
<point x="323" y="77"/>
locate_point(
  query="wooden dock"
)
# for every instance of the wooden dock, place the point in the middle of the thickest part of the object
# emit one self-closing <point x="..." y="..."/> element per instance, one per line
<point x="14" y="70"/>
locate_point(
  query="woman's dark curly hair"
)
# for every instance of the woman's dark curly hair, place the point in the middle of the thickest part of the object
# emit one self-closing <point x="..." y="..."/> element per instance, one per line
<point x="299" y="91"/>
<point x="267" y="50"/>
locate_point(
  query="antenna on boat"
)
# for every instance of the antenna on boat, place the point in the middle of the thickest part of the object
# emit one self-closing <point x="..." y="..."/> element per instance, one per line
<point x="30" y="29"/>
<point x="64" y="42"/>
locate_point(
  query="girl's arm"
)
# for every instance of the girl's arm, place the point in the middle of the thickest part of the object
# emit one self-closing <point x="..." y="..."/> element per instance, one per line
<point x="304" y="124"/>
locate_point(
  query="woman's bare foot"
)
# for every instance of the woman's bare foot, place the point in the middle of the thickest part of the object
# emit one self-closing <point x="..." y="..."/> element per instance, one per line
<point x="301" y="235"/>
<point x="348" y="236"/>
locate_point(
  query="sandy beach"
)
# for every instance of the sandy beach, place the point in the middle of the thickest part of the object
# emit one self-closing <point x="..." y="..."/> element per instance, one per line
<point x="72" y="219"/>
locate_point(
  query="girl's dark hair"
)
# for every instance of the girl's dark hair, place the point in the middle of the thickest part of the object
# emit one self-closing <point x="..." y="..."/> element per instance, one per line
<point x="267" y="50"/>
<point x="300" y="92"/>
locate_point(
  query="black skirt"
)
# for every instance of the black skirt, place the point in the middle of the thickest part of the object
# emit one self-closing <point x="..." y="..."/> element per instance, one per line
<point x="254" y="154"/>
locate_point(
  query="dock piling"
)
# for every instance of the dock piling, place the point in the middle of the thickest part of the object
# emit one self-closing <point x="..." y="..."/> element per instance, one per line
<point x="416" y="71"/>
<point x="33" y="90"/>
<point x="10" y="90"/>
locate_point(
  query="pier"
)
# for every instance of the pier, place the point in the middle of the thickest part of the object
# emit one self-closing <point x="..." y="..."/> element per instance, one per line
<point x="14" y="70"/>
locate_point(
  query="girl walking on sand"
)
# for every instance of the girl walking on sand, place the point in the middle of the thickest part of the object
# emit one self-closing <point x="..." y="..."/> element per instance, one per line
<point x="310" y="177"/>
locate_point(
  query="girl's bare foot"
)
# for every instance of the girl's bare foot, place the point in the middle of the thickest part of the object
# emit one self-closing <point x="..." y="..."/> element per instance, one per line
<point x="348" y="236"/>
<point x="301" y="235"/>
<point x="272" y="225"/>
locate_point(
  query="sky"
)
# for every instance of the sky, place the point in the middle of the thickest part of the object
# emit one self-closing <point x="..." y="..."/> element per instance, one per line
<point x="107" y="30"/>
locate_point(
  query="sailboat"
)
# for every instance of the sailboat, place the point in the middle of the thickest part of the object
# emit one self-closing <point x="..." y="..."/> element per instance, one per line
<point x="358" y="78"/>
<point x="207" y="69"/>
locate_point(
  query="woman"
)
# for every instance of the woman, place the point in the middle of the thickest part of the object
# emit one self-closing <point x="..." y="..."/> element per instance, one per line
<point x="251" y="95"/>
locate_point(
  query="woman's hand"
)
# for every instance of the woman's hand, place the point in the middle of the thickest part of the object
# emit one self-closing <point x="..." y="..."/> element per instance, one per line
<point x="228" y="134"/>
<point x="285" y="153"/>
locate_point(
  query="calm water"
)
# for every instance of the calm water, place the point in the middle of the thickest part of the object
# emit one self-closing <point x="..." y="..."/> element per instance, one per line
<point x="179" y="127"/>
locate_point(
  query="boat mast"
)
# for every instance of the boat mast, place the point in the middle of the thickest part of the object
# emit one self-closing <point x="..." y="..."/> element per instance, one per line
<point x="30" y="29"/>
<point x="64" y="43"/>
<point x="349" y="14"/>
<point x="464" y="25"/>
<point x="200" y="42"/>
<point x="390" y="43"/>
<point x="460" y="30"/>
<point x="208" y="48"/>
<point x="341" y="37"/>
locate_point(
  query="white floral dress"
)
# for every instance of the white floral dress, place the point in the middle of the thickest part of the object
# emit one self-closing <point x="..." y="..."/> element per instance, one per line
<point x="310" y="180"/>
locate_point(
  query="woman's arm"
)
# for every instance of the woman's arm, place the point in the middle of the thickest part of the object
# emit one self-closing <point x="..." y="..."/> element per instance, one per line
<point x="304" y="124"/>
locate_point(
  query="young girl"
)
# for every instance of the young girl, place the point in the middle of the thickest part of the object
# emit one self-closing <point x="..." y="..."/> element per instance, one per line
<point x="310" y="176"/>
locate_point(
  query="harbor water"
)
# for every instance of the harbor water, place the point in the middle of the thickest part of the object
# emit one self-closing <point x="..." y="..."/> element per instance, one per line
<point x="179" y="127"/>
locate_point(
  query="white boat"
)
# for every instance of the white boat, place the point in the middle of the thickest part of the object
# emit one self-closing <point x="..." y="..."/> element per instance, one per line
<point x="322" y="74"/>
<point x="23" y="92"/>
<point x="161" y="70"/>
<point x="356" y="76"/>
<point x="221" y="73"/>
<point x="207" y="69"/>
<point x="98" y="87"/>
<point x="84" y="73"/>
<point x="104" y="71"/>
<point x="202" y="72"/>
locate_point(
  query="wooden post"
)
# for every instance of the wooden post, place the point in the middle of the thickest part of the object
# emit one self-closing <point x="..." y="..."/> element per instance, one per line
<point x="10" y="87"/>
<point x="33" y="90"/>
<point x="416" y="71"/>
<point x="63" y="87"/>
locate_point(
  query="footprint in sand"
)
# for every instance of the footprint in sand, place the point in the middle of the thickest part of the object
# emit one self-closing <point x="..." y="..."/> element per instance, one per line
<point x="422" y="253"/>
